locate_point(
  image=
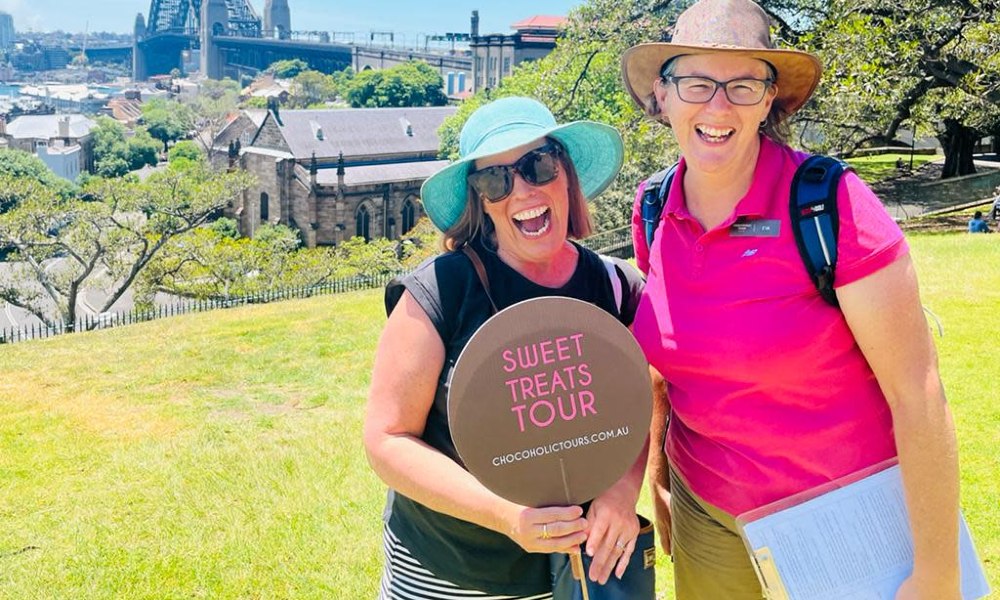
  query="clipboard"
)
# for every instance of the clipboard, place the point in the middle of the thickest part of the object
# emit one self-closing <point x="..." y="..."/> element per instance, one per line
<point x="847" y="539"/>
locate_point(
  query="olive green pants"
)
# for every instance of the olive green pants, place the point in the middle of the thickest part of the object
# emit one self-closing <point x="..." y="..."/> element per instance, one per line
<point x="710" y="560"/>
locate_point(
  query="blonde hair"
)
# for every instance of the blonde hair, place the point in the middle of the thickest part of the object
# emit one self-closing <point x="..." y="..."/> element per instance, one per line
<point x="474" y="220"/>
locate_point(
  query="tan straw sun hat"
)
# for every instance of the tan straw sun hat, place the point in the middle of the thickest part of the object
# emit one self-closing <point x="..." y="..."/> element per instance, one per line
<point x="734" y="27"/>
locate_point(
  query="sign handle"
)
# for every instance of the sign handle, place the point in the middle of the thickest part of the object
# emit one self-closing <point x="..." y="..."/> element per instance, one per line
<point x="576" y="559"/>
<point x="576" y="562"/>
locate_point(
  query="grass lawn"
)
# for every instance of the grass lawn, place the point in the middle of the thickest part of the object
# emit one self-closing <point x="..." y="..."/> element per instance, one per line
<point x="882" y="166"/>
<point x="218" y="455"/>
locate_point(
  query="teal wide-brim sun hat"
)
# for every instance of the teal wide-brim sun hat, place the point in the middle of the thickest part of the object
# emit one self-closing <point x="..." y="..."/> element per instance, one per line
<point x="595" y="149"/>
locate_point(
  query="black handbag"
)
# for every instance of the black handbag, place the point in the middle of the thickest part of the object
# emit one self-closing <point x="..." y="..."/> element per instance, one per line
<point x="638" y="582"/>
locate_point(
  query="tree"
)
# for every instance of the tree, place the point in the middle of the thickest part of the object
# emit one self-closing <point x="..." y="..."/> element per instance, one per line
<point x="167" y="120"/>
<point x="110" y="148"/>
<point x="102" y="239"/>
<point x="115" y="154"/>
<point x="414" y="83"/>
<point x="212" y="109"/>
<point x="581" y="79"/>
<point x="142" y="149"/>
<point x="312" y="88"/>
<point x="186" y="150"/>
<point x="21" y="165"/>
<point x="932" y="66"/>
<point x="287" y="69"/>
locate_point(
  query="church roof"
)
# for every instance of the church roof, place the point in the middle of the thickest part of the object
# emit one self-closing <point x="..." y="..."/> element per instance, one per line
<point x="373" y="174"/>
<point x="361" y="131"/>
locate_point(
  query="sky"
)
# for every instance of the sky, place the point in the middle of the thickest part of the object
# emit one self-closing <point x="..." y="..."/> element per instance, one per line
<point x="406" y="18"/>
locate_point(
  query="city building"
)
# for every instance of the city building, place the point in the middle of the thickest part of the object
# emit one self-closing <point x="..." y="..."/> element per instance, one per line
<point x="334" y="174"/>
<point x="495" y="55"/>
<point x="64" y="142"/>
<point x="68" y="98"/>
<point x="6" y="31"/>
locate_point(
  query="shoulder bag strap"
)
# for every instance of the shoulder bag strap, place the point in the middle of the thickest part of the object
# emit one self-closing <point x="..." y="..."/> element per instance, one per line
<point x="477" y="263"/>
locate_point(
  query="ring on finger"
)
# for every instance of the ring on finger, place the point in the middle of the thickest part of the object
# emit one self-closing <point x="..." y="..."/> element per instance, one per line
<point x="545" y="531"/>
<point x="620" y="545"/>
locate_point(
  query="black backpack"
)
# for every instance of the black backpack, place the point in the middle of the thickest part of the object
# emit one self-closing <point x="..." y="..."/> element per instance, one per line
<point x="812" y="208"/>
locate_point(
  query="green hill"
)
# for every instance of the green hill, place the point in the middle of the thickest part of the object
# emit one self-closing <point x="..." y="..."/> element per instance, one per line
<point x="218" y="455"/>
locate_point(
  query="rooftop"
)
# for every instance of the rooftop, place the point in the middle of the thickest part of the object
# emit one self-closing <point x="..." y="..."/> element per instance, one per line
<point x="362" y="131"/>
<point x="541" y="22"/>
<point x="47" y="126"/>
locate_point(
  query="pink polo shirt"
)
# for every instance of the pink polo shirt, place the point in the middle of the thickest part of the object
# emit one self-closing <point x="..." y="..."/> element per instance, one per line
<point x="769" y="391"/>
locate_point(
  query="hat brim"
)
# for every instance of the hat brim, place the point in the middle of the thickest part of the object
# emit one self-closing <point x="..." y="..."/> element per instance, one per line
<point x="798" y="72"/>
<point x="595" y="148"/>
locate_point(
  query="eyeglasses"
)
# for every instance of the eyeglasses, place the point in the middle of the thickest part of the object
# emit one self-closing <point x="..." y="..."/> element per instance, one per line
<point x="700" y="90"/>
<point x="537" y="167"/>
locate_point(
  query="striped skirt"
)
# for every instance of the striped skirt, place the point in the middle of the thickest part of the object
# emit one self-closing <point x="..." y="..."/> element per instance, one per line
<point x="404" y="578"/>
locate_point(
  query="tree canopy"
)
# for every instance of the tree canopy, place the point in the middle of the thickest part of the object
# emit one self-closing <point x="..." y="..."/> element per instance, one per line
<point x="286" y="69"/>
<point x="115" y="153"/>
<point x="102" y="239"/>
<point x="929" y="65"/>
<point x="414" y="83"/>
<point x="933" y="66"/>
<point x="167" y="120"/>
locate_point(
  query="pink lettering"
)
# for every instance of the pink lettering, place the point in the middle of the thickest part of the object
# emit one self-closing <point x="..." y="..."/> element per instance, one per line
<point x="586" y="398"/>
<point x="542" y="384"/>
<point x="584" y="370"/>
<point x="576" y="337"/>
<point x="527" y="356"/>
<point x="562" y="348"/>
<point x="519" y="411"/>
<point x="527" y="387"/>
<point x="547" y="352"/>
<point x="508" y="358"/>
<point x="562" y="408"/>
<point x="546" y="406"/>
<point x="557" y="382"/>
<point x="512" y="384"/>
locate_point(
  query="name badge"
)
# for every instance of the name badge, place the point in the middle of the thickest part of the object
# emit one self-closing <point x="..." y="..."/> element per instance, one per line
<point x="756" y="228"/>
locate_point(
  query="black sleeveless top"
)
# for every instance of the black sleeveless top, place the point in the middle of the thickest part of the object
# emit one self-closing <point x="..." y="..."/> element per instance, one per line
<point x="449" y="291"/>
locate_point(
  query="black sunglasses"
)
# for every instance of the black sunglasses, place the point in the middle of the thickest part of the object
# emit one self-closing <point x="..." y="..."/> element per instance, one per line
<point x="537" y="167"/>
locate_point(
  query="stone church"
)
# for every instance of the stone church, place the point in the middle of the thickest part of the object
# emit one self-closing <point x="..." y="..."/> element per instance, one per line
<point x="333" y="174"/>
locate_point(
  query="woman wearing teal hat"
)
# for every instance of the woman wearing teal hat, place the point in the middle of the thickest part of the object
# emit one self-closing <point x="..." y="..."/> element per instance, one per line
<point x="514" y="199"/>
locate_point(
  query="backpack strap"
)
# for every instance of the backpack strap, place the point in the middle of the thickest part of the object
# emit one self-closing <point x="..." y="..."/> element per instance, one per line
<point x="477" y="263"/>
<point x="616" y="282"/>
<point x="654" y="197"/>
<point x="815" y="222"/>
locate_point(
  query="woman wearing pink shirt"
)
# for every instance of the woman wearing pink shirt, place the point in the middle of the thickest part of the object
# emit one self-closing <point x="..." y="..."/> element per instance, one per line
<point x="773" y="391"/>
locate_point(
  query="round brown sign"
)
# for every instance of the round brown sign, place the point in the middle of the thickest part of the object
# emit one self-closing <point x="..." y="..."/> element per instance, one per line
<point x="550" y="402"/>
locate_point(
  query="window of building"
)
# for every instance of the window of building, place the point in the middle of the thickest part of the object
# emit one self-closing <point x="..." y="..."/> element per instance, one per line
<point x="265" y="208"/>
<point x="506" y="65"/>
<point x="363" y="222"/>
<point x="409" y="216"/>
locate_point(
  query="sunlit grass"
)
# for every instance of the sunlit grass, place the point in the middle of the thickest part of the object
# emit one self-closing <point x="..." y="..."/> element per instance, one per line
<point x="219" y="455"/>
<point x="875" y="168"/>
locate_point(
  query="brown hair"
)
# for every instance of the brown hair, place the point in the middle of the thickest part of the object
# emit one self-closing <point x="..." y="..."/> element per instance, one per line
<point x="474" y="220"/>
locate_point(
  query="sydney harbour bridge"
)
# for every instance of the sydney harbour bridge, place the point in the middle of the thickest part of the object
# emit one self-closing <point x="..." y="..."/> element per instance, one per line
<point x="232" y="40"/>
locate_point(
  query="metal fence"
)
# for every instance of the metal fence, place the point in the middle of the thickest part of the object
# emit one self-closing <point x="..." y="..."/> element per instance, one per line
<point x="35" y="331"/>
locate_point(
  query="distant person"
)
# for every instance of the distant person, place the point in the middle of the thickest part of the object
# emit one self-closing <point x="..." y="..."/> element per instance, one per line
<point x="977" y="224"/>
<point x="995" y="211"/>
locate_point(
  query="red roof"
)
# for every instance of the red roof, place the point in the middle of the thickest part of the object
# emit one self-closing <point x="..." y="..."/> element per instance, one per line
<point x="540" y="22"/>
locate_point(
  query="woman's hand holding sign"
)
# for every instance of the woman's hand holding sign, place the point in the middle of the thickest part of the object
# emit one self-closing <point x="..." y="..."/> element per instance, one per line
<point x="614" y="525"/>
<point x="550" y="529"/>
